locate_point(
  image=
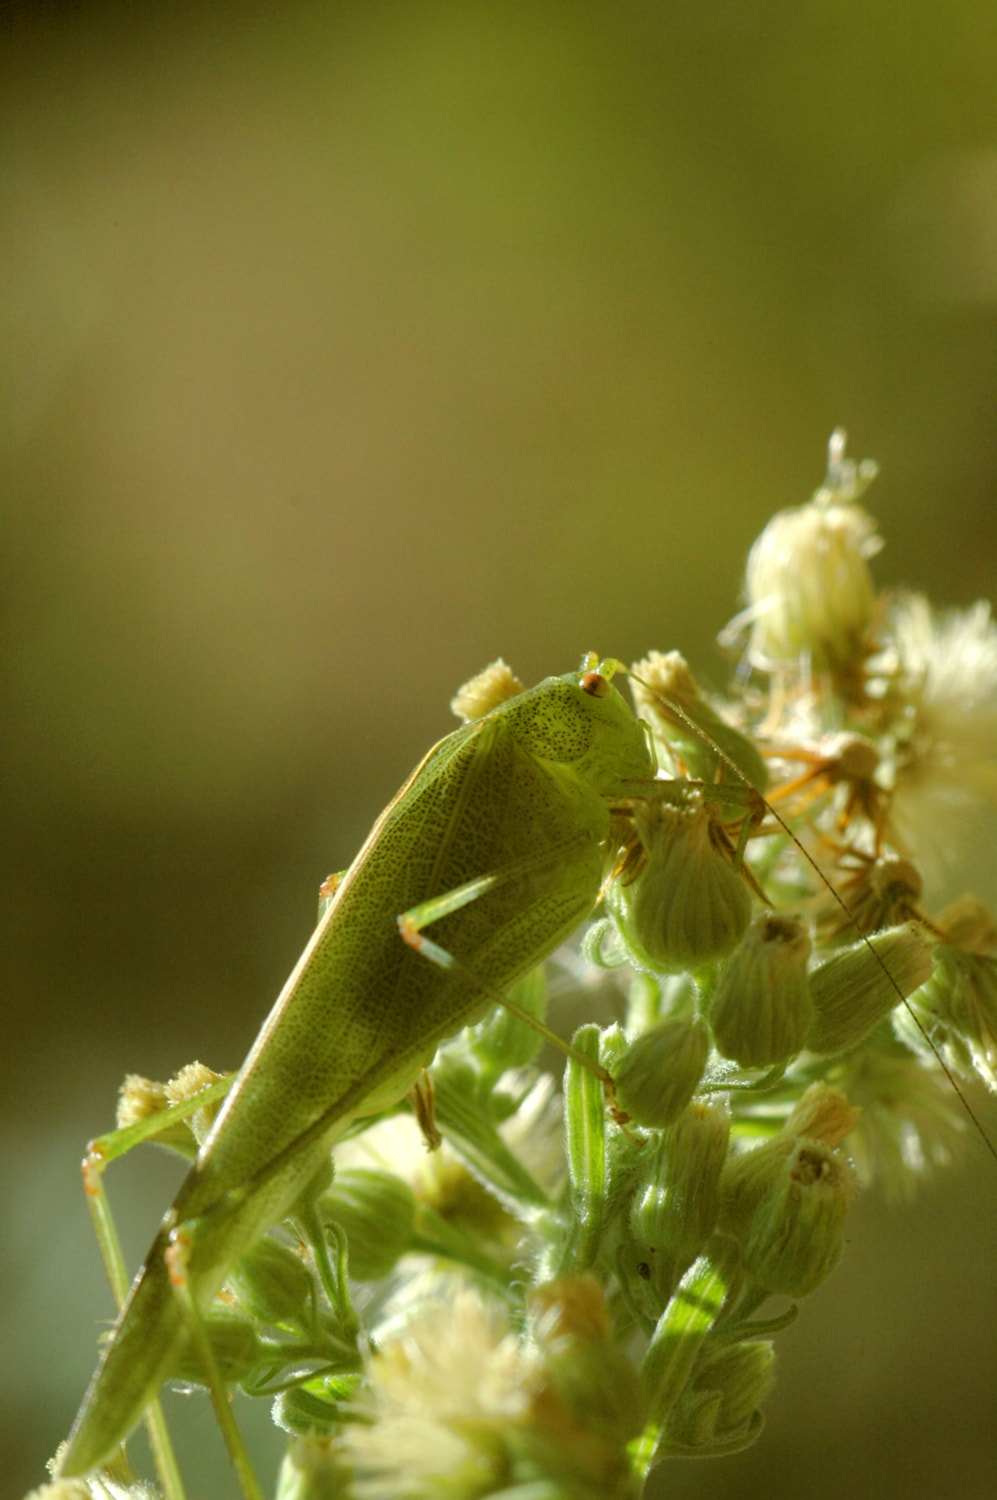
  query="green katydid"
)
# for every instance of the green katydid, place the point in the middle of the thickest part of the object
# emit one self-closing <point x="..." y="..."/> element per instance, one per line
<point x="500" y="840"/>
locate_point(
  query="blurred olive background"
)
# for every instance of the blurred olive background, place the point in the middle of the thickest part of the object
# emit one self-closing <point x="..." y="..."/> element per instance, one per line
<point x="348" y="346"/>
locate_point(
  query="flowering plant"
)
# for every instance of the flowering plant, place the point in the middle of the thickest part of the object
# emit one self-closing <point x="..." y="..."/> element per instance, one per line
<point x="563" y="1296"/>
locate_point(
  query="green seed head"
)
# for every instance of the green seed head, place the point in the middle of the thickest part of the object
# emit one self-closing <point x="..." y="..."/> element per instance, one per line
<point x="722" y="1397"/>
<point x="969" y="924"/>
<point x="315" y="1408"/>
<point x="858" y="987"/>
<point x="376" y="1210"/>
<point x="667" y="697"/>
<point x="793" y="1240"/>
<point x="273" y="1285"/>
<point x="314" y="1469"/>
<point x="762" y="1011"/>
<point x="822" y="1116"/>
<point x="957" y="1007"/>
<point x="688" y="905"/>
<point x="502" y="1040"/>
<point x="661" y="1070"/>
<point x="234" y="1343"/>
<point x="585" y="1369"/>
<point x="674" y="1207"/>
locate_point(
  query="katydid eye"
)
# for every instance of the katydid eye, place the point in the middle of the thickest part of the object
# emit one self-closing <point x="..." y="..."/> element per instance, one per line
<point x="596" y="684"/>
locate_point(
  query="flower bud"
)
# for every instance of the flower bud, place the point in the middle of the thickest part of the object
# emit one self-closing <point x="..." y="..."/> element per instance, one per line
<point x="912" y="1123"/>
<point x="273" y="1285"/>
<point x="857" y="988"/>
<point x="746" y="1178"/>
<point x="501" y="1040"/>
<point x="64" y="1489"/>
<point x="761" y="1011"/>
<point x="114" y="1480"/>
<point x="674" y="1207"/>
<point x="377" y="1211"/>
<point x="822" y="1114"/>
<point x="883" y="893"/>
<point x="793" y="1240"/>
<point x="141" y="1098"/>
<point x="186" y="1085"/>
<point x="138" y="1098"/>
<point x="809" y="590"/>
<point x="969" y="924"/>
<point x="490" y="688"/>
<point x="722" y="1397"/>
<point x="660" y="1071"/>
<point x="317" y="1405"/>
<point x="314" y="1469"/>
<point x="234" y="1343"/>
<point x="688" y="905"/>
<point x="822" y="1117"/>
<point x="585" y="1371"/>
<point x="662" y="684"/>
<point x="957" y="1007"/>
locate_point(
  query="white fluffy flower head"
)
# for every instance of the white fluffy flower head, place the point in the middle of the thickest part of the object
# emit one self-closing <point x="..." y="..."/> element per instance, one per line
<point x="443" y="1391"/>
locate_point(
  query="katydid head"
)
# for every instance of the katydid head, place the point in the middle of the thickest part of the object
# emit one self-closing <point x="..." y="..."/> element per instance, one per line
<point x="581" y="721"/>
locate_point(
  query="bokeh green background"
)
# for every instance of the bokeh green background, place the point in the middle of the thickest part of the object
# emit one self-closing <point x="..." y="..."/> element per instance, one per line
<point x="347" y="346"/>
